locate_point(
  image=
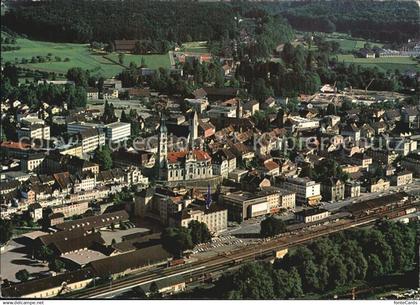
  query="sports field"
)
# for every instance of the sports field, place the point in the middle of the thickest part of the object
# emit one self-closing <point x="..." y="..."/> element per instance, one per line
<point x="382" y="63"/>
<point x="74" y="55"/>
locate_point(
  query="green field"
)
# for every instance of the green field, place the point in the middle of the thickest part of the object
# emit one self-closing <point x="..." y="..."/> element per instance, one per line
<point x="195" y="47"/>
<point x="348" y="43"/>
<point x="382" y="63"/>
<point x="79" y="55"/>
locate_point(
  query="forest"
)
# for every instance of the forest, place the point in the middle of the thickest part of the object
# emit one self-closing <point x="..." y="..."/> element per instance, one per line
<point x="182" y="21"/>
<point x="387" y="21"/>
<point x="105" y="21"/>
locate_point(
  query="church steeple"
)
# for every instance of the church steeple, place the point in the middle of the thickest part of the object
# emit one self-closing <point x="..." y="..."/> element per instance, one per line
<point x="238" y="109"/>
<point x="163" y="142"/>
<point x="193" y="129"/>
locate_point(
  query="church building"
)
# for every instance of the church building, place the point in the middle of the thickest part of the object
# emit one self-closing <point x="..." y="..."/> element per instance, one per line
<point x="190" y="164"/>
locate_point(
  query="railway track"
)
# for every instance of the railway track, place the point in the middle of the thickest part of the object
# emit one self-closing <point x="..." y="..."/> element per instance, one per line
<point x="226" y="261"/>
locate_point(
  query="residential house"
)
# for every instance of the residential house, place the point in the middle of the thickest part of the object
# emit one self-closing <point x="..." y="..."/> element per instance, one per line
<point x="307" y="191"/>
<point x="412" y="163"/>
<point x="312" y="215"/>
<point x="223" y="162"/>
<point x="214" y="217"/>
<point x="351" y="131"/>
<point x="378" y="185"/>
<point x="402" y="178"/>
<point x="332" y="189"/>
<point x="352" y="189"/>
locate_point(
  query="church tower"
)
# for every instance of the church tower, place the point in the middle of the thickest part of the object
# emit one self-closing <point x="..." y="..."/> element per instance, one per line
<point x="163" y="144"/>
<point x="238" y="109"/>
<point x="193" y="129"/>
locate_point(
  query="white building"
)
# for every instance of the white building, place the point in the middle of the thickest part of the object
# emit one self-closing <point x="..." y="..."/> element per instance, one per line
<point x="198" y="104"/>
<point x="31" y="162"/>
<point x="296" y="123"/>
<point x="117" y="131"/>
<point x="222" y="112"/>
<point x="214" y="217"/>
<point x="34" y="131"/>
<point x="76" y="127"/>
<point x="91" y="139"/>
<point x="312" y="215"/>
<point x="223" y="163"/>
<point x="307" y="191"/>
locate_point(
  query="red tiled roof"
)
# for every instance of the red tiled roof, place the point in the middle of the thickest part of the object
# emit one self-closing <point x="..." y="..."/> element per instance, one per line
<point x="15" y="145"/>
<point x="176" y="156"/>
<point x="270" y="165"/>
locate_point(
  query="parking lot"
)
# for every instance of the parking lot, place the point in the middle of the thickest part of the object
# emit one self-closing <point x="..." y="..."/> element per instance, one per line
<point x="15" y="258"/>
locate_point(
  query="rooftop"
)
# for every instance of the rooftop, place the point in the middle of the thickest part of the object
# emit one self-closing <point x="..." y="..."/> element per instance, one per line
<point x="83" y="257"/>
<point x="131" y="260"/>
<point x="311" y="212"/>
<point x="178" y="156"/>
<point x="89" y="223"/>
<point x="29" y="287"/>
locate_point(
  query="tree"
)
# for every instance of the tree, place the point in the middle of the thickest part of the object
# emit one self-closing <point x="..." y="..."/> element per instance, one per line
<point x="253" y="281"/>
<point x="176" y="240"/>
<point x="6" y="230"/>
<point x="154" y="291"/>
<point x="199" y="232"/>
<point x="331" y="109"/>
<point x="22" y="275"/>
<point x="56" y="265"/>
<point x="287" y="284"/>
<point x="375" y="268"/>
<point x="260" y="91"/>
<point x="272" y="226"/>
<point x="121" y="58"/>
<point x="124" y="117"/>
<point x="103" y="157"/>
<point x="109" y="113"/>
<point x="338" y="272"/>
<point x="328" y="168"/>
<point x="79" y="76"/>
<point x="309" y="275"/>
<point x="139" y="293"/>
<point x="45" y="253"/>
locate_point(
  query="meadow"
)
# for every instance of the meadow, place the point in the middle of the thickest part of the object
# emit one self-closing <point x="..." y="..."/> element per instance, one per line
<point x="74" y="55"/>
<point x="195" y="47"/>
<point x="348" y="43"/>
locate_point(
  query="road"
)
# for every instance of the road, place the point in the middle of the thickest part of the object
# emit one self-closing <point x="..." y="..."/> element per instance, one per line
<point x="227" y="260"/>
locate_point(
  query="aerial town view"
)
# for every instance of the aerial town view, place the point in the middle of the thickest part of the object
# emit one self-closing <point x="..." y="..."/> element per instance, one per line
<point x="198" y="150"/>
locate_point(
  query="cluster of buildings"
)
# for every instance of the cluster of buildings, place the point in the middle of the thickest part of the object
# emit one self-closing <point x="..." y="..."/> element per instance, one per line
<point x="205" y="158"/>
<point x="412" y="49"/>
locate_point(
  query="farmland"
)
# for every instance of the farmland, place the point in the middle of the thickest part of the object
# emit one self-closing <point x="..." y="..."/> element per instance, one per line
<point x="382" y="63"/>
<point x="63" y="56"/>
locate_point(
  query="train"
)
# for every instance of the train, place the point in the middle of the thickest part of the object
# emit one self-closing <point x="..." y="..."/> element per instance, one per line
<point x="176" y="262"/>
